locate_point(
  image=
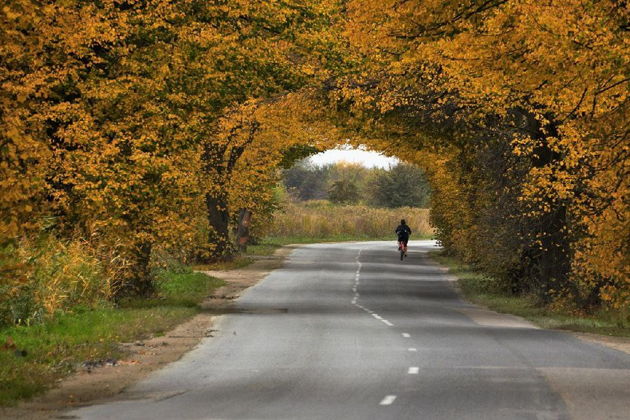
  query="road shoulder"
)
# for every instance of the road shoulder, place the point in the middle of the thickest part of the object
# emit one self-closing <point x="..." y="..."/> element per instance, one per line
<point x="87" y="387"/>
<point x="483" y="315"/>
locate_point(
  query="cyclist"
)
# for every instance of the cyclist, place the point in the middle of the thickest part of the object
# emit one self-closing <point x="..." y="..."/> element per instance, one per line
<point x="403" y="231"/>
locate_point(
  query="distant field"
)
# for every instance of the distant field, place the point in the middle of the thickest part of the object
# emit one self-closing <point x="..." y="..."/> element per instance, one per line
<point x="312" y="220"/>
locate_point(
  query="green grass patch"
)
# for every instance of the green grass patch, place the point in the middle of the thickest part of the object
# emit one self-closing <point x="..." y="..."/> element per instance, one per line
<point x="478" y="288"/>
<point x="270" y="244"/>
<point x="55" y="348"/>
<point x="263" y="249"/>
<point x="286" y="240"/>
<point x="239" y="261"/>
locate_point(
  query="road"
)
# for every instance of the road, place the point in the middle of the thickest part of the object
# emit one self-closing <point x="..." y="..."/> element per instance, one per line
<point x="347" y="331"/>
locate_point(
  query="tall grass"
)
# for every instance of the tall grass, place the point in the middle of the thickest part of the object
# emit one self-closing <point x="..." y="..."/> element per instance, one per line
<point x="55" y="347"/>
<point x="321" y="220"/>
<point x="39" y="278"/>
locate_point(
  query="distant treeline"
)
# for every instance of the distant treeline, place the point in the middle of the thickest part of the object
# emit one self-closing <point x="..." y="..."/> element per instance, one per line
<point x="402" y="185"/>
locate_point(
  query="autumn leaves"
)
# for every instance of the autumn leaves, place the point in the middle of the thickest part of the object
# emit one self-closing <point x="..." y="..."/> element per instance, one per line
<point x="520" y="109"/>
<point x="142" y="127"/>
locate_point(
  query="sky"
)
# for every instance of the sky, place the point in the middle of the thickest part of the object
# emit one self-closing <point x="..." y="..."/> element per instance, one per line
<point x="367" y="158"/>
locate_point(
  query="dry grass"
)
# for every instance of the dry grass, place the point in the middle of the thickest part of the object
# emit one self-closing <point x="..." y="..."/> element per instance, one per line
<point x="46" y="276"/>
<point x="321" y="220"/>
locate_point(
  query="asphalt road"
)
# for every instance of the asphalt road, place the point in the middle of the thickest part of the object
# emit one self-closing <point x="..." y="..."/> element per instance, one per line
<point x="347" y="331"/>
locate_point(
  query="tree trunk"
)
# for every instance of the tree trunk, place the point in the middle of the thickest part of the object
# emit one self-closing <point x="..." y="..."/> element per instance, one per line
<point x="242" y="230"/>
<point x="549" y="263"/>
<point x="219" y="218"/>
<point x="139" y="282"/>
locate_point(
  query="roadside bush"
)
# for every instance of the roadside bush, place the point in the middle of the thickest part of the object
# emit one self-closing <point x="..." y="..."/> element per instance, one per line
<point x="39" y="278"/>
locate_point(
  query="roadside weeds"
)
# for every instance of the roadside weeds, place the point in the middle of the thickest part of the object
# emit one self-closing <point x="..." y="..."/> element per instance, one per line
<point x="600" y="328"/>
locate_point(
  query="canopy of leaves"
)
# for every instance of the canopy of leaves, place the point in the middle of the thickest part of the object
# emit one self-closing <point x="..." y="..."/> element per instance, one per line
<point x="144" y="126"/>
<point x="519" y="112"/>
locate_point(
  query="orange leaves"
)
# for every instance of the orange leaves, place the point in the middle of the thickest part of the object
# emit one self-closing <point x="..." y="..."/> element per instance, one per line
<point x="124" y="120"/>
<point x="110" y="111"/>
<point x="528" y="102"/>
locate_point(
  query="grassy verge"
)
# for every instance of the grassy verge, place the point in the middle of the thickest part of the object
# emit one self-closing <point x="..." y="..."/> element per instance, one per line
<point x="270" y="244"/>
<point x="239" y="261"/>
<point x="305" y="239"/>
<point x="476" y="288"/>
<point x="55" y="348"/>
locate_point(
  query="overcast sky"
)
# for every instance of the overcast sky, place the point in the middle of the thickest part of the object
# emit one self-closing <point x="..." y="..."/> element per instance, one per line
<point x="366" y="158"/>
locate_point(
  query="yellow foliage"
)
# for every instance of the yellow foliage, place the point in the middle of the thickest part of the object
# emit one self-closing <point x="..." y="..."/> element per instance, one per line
<point x="136" y="125"/>
<point x="544" y="81"/>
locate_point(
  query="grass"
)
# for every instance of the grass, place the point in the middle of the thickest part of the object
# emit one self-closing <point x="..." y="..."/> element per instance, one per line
<point x="318" y="221"/>
<point x="55" y="348"/>
<point x="264" y="248"/>
<point x="269" y="244"/>
<point x="475" y="288"/>
<point x="303" y="239"/>
<point x="321" y="221"/>
<point x="239" y="261"/>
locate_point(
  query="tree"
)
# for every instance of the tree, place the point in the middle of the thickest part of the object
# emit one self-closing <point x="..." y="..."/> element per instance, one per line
<point x="122" y="128"/>
<point x="400" y="186"/>
<point x="130" y="124"/>
<point x="343" y="191"/>
<point x="520" y="103"/>
<point x="306" y="181"/>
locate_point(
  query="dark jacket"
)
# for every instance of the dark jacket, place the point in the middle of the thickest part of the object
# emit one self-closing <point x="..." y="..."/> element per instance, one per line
<point x="403" y="231"/>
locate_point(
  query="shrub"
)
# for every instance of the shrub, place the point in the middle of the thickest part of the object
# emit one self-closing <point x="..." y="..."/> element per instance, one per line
<point x="39" y="278"/>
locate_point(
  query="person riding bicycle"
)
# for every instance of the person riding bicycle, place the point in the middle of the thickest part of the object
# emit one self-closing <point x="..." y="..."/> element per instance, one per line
<point x="403" y="231"/>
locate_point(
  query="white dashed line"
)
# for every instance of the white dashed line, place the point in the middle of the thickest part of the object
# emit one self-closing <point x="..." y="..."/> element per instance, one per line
<point x="412" y="349"/>
<point x="406" y="335"/>
<point x="413" y="370"/>
<point x="356" y="294"/>
<point x="388" y="400"/>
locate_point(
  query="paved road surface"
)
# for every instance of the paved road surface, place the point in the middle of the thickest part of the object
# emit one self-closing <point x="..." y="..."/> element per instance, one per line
<point x="347" y="331"/>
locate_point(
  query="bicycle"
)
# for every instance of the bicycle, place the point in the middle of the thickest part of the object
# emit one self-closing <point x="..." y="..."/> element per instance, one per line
<point x="403" y="232"/>
<point x="402" y="247"/>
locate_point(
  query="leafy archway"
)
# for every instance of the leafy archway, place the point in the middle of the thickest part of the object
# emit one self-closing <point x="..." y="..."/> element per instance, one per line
<point x="126" y="123"/>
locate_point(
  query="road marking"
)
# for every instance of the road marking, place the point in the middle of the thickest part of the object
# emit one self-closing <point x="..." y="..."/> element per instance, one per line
<point x="412" y="349"/>
<point x="406" y="335"/>
<point x="388" y="400"/>
<point x="413" y="370"/>
<point x="356" y="294"/>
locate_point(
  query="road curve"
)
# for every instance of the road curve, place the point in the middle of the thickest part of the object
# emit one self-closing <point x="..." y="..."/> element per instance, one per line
<point x="347" y="331"/>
